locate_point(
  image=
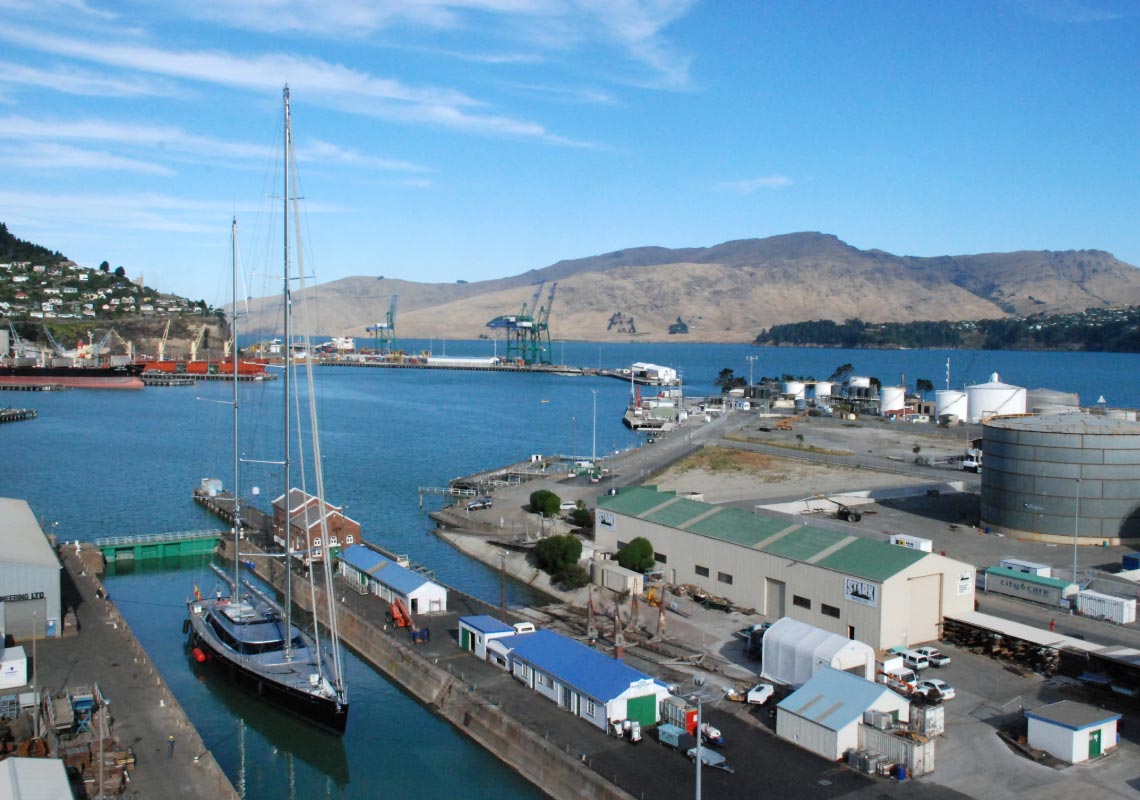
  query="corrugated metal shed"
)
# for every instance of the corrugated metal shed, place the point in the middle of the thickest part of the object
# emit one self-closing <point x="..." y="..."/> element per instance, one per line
<point x="388" y="572"/>
<point x="863" y="558"/>
<point x="485" y="623"/>
<point x="24" y="541"/>
<point x="833" y="699"/>
<point x="574" y="664"/>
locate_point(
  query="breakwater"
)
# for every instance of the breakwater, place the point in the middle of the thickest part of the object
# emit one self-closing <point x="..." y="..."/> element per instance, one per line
<point x="433" y="680"/>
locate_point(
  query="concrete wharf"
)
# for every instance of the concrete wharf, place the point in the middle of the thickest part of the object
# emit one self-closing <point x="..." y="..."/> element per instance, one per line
<point x="99" y="648"/>
<point x="473" y="367"/>
<point x="17" y="414"/>
<point x="166" y="379"/>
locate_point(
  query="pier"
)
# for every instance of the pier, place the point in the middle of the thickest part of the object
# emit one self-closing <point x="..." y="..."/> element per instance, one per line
<point x="158" y="545"/>
<point x="17" y="414"/>
<point x="32" y="387"/>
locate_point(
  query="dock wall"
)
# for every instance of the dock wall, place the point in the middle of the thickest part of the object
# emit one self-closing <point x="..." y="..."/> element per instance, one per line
<point x="550" y="769"/>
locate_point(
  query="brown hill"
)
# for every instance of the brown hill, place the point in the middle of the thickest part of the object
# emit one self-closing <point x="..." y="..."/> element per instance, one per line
<point x="728" y="292"/>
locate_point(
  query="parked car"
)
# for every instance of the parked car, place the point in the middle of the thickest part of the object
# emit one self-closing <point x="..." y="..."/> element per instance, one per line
<point x="760" y="693"/>
<point x="935" y="656"/>
<point x="935" y="689"/>
<point x="482" y="502"/>
<point x="568" y="505"/>
<point x="915" y="660"/>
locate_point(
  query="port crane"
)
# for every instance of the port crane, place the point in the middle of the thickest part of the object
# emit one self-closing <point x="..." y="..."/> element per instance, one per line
<point x="385" y="332"/>
<point x="528" y="332"/>
<point x="162" y="341"/>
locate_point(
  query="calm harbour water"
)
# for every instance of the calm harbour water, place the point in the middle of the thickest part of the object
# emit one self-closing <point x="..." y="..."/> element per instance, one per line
<point x="106" y="463"/>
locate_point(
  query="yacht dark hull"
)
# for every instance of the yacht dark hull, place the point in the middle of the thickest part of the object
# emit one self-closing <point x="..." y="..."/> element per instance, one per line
<point x="323" y="712"/>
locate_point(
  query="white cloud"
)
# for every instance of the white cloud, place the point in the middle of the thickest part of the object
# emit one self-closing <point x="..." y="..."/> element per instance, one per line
<point x="750" y="185"/>
<point x="42" y="156"/>
<point x="147" y="211"/>
<point x="70" y="81"/>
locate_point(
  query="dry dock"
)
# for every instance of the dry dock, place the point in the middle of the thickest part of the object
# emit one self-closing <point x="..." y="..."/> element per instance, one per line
<point x="144" y="712"/>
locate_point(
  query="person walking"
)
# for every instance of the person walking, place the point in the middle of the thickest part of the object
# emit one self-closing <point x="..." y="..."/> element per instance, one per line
<point x="1052" y="625"/>
<point x="170" y="746"/>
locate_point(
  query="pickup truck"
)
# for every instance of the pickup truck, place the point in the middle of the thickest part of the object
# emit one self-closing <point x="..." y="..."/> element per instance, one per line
<point x="935" y="656"/>
<point x="481" y="503"/>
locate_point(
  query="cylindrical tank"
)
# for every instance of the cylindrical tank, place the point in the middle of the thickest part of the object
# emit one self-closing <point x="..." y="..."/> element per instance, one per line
<point x="950" y="401"/>
<point x="1061" y="476"/>
<point x="1051" y="401"/>
<point x="892" y="398"/>
<point x="822" y="389"/>
<point x="993" y="398"/>
<point x="795" y="389"/>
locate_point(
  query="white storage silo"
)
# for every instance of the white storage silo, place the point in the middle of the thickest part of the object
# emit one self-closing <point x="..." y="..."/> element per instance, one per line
<point x="992" y="398"/>
<point x="949" y="401"/>
<point x="822" y="389"/>
<point x="795" y="389"/>
<point x="892" y="398"/>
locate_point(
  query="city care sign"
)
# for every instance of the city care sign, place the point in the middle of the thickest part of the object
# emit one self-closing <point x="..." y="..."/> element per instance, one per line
<point x="861" y="592"/>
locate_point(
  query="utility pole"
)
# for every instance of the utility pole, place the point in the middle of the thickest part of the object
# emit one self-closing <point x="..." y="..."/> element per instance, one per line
<point x="594" y="447"/>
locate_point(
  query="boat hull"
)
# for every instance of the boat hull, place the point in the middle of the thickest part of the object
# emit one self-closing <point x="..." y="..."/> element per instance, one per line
<point x="124" y="377"/>
<point x="323" y="712"/>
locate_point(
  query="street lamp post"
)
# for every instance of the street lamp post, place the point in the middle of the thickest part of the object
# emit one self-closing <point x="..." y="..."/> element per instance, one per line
<point x="594" y="447"/>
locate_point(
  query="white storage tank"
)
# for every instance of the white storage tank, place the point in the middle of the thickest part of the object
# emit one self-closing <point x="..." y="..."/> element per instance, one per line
<point x="1106" y="606"/>
<point x="795" y="388"/>
<point x="950" y="401"/>
<point x="994" y="398"/>
<point x="892" y="398"/>
<point x="821" y="389"/>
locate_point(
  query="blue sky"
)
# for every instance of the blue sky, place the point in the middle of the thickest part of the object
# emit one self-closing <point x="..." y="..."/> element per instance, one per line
<point x="471" y="139"/>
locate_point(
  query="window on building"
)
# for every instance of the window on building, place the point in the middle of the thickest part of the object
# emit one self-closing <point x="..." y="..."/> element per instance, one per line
<point x="829" y="611"/>
<point x="802" y="602"/>
<point x="660" y="558"/>
<point x="524" y="671"/>
<point x="591" y="709"/>
<point x="332" y="541"/>
<point x="349" y="539"/>
<point x="543" y="679"/>
<point x="317" y="541"/>
<point x="724" y="577"/>
<point x="702" y="571"/>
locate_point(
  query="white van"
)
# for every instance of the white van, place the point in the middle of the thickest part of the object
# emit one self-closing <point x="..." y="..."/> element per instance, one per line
<point x="915" y="660"/>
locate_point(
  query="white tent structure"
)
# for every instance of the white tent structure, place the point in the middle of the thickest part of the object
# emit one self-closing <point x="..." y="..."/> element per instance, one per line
<point x="794" y="651"/>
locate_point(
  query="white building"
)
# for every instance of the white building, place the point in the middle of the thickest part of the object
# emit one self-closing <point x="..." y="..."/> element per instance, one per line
<point x="584" y="681"/>
<point x="1071" y="731"/>
<point x="824" y="715"/>
<point x="476" y="632"/>
<point x="29" y="576"/>
<point x="858" y="588"/>
<point x="370" y="572"/>
<point x="794" y="651"/>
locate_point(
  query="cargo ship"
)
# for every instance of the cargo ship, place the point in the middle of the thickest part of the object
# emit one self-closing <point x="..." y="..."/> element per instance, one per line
<point x="124" y="376"/>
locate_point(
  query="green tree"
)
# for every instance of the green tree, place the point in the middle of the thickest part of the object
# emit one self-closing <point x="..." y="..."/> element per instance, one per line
<point x="555" y="553"/>
<point x="922" y="386"/>
<point x="582" y="517"/>
<point x="545" y="502"/>
<point x="637" y="555"/>
<point x="572" y="577"/>
<point x="104" y="267"/>
<point x="120" y="272"/>
<point x="727" y="380"/>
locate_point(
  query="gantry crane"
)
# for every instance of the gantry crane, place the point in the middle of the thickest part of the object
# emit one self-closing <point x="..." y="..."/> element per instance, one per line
<point x="385" y="332"/>
<point x="528" y="332"/>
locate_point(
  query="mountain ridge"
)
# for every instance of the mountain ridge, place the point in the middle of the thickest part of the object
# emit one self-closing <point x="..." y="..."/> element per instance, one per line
<point x="730" y="291"/>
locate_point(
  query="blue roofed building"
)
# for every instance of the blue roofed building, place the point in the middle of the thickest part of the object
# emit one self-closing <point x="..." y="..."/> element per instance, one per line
<point x="584" y="681"/>
<point x="478" y="631"/>
<point x="371" y="572"/>
<point x="824" y="714"/>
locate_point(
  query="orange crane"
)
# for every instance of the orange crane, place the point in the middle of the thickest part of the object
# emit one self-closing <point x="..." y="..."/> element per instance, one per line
<point x="786" y="423"/>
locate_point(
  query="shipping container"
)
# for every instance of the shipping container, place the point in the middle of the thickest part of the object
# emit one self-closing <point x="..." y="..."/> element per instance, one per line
<point x="1131" y="561"/>
<point x="1050" y="591"/>
<point x="679" y="712"/>
<point x="1028" y="567"/>
<point x="1105" y="606"/>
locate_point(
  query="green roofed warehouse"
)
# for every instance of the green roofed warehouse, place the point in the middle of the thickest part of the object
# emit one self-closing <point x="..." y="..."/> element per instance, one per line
<point x="879" y="593"/>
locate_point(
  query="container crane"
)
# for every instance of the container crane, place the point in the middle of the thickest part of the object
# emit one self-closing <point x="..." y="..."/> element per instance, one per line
<point x="520" y="330"/>
<point x="162" y="341"/>
<point x="194" y="345"/>
<point x="385" y="331"/>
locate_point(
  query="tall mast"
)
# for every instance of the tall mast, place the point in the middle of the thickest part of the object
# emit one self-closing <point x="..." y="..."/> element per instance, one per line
<point x="288" y="388"/>
<point x="237" y="462"/>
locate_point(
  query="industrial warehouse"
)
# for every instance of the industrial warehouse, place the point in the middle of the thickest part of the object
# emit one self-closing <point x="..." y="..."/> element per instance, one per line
<point x="882" y="594"/>
<point x="29" y="576"/>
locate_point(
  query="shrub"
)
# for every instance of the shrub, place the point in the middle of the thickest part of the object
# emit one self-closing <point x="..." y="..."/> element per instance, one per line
<point x="572" y="577"/>
<point x="582" y="518"/>
<point x="555" y="553"/>
<point x="637" y="555"/>
<point x="545" y="502"/>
